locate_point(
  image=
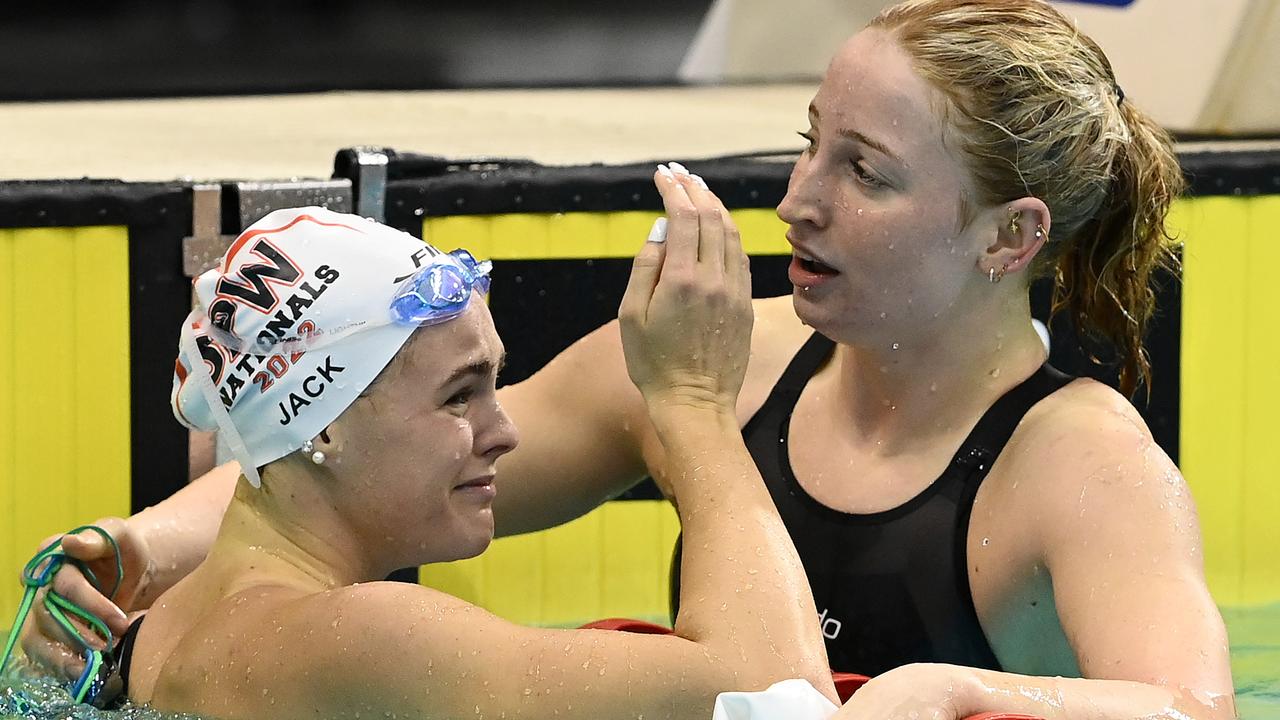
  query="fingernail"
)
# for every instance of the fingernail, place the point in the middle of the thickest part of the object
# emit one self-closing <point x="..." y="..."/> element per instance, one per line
<point x="701" y="183"/>
<point x="678" y="168"/>
<point x="658" y="233"/>
<point x="665" y="172"/>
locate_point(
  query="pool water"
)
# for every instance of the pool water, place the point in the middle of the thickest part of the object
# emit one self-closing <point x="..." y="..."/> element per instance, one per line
<point x="1255" y="665"/>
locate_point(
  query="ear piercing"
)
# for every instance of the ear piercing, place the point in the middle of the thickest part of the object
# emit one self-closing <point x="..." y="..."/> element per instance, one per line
<point x="317" y="456"/>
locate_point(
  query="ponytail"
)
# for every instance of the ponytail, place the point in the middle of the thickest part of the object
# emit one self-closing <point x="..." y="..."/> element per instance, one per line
<point x="1103" y="279"/>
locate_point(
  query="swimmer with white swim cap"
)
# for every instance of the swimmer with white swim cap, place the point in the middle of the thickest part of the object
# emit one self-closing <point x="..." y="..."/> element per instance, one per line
<point x="353" y="368"/>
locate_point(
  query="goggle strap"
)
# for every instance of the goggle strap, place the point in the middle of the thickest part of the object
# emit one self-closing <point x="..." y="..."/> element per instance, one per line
<point x="226" y="429"/>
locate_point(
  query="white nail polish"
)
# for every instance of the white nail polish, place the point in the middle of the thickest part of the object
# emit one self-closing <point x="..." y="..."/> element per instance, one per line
<point x="665" y="172"/>
<point x="701" y="183"/>
<point x="678" y="168"/>
<point x="658" y="233"/>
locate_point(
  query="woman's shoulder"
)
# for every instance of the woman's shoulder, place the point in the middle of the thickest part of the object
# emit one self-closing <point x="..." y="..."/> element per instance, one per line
<point x="1086" y="448"/>
<point x="1083" y="414"/>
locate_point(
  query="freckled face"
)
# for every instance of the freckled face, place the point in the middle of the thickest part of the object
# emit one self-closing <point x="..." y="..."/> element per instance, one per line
<point x="421" y="448"/>
<point x="874" y="203"/>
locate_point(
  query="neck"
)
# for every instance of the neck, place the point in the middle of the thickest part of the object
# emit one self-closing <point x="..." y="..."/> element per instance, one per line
<point x="266" y="537"/>
<point x="923" y="388"/>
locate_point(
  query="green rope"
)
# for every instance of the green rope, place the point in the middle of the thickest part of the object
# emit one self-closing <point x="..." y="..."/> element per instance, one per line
<point x="40" y="572"/>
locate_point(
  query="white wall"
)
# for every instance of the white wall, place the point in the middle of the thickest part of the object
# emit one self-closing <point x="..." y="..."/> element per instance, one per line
<point x="1196" y="65"/>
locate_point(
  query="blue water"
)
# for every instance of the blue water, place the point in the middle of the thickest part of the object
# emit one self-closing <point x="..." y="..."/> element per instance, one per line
<point x="1255" y="664"/>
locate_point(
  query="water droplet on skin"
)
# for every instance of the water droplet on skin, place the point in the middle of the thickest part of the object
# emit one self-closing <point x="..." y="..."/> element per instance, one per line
<point x="933" y="387"/>
<point x="896" y="346"/>
<point x="884" y="315"/>
<point x="995" y="373"/>
<point x="859" y="211"/>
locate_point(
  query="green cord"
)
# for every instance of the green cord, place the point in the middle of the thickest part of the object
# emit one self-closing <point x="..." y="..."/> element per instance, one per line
<point x="23" y="608"/>
<point x="35" y="577"/>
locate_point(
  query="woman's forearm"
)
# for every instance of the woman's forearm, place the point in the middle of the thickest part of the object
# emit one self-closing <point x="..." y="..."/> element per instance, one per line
<point x="1057" y="698"/>
<point x="736" y="547"/>
<point x="180" y="530"/>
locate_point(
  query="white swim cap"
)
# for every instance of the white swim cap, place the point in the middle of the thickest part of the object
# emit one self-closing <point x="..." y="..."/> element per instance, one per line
<point x="293" y="324"/>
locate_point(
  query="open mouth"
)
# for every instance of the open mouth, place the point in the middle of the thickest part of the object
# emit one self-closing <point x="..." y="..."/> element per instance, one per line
<point x="814" y="266"/>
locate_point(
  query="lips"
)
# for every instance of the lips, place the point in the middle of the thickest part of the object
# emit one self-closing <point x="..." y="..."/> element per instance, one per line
<point x="809" y="261"/>
<point x="480" y="482"/>
<point x="807" y="271"/>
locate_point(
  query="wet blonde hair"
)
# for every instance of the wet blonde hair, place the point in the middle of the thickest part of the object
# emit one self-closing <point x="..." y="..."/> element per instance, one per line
<point x="1035" y="109"/>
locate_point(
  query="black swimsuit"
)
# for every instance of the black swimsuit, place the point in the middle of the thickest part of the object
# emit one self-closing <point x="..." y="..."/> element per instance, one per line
<point x="124" y="654"/>
<point x="891" y="587"/>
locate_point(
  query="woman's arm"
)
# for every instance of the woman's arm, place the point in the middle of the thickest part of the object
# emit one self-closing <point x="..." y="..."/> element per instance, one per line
<point x="158" y="547"/>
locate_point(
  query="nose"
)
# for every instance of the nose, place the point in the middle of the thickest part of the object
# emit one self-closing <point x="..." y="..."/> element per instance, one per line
<point x="500" y="435"/>
<point x="803" y="202"/>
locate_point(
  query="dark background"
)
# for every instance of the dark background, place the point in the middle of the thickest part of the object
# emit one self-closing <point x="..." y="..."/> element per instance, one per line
<point x="129" y="48"/>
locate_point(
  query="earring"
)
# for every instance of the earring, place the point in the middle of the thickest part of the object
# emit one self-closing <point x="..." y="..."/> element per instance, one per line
<point x="317" y="457"/>
<point x="1040" y="231"/>
<point x="991" y="276"/>
<point x="308" y="446"/>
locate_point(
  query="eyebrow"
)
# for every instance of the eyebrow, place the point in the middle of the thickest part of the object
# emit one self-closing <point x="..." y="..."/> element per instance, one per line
<point x="480" y="368"/>
<point x="856" y="136"/>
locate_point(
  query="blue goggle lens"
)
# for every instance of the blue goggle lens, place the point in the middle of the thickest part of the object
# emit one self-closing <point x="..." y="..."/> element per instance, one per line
<point x="441" y="290"/>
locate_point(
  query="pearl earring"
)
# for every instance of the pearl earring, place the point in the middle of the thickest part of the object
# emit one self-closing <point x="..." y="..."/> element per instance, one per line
<point x="317" y="457"/>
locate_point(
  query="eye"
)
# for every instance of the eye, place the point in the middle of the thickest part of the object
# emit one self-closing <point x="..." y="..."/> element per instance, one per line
<point x="864" y="176"/>
<point x="460" y="398"/>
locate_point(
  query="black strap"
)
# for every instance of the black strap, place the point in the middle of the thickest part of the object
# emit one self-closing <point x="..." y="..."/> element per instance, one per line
<point x="124" y="653"/>
<point x="803" y="365"/>
<point x="996" y="426"/>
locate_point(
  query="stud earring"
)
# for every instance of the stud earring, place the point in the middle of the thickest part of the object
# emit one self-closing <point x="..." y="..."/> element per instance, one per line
<point x="1040" y="231"/>
<point x="317" y="457"/>
<point x="308" y="446"/>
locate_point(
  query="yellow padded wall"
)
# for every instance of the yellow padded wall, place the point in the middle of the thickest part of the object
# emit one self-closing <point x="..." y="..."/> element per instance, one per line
<point x="564" y="236"/>
<point x="1230" y="412"/>
<point x="64" y="387"/>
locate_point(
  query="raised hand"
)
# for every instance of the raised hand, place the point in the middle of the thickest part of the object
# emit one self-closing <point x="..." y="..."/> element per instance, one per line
<point x="686" y="316"/>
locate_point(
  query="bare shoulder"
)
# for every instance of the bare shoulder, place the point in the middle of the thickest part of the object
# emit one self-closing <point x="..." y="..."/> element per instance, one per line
<point x="1087" y="465"/>
<point x="777" y="330"/>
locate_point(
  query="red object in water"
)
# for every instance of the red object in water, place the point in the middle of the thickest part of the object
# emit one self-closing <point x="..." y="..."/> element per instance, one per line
<point x="846" y="683"/>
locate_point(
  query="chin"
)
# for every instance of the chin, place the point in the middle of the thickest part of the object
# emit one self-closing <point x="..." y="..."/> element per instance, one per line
<point x="476" y="535"/>
<point x="475" y="546"/>
<point x="839" y="323"/>
<point x="811" y="312"/>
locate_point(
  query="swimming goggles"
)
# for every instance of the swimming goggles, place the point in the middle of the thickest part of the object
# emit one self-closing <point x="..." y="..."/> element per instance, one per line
<point x="38" y="573"/>
<point x="440" y="291"/>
